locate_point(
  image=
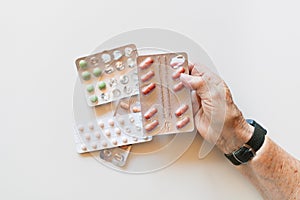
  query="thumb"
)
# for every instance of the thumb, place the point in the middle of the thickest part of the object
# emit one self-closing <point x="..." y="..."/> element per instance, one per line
<point x="195" y="83"/>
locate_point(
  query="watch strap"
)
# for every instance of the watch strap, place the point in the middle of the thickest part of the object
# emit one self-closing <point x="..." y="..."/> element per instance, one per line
<point x="248" y="150"/>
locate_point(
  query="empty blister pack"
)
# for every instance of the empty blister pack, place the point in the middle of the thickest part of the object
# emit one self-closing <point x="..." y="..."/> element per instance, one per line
<point x="117" y="156"/>
<point x="109" y="75"/>
<point x="96" y="127"/>
<point x="165" y="103"/>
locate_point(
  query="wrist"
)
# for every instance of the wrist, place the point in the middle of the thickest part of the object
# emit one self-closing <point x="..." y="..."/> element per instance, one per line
<point x="236" y="136"/>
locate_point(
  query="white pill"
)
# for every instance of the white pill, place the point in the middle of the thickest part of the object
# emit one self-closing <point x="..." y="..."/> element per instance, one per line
<point x="87" y="136"/>
<point x="111" y="122"/>
<point x="131" y="119"/>
<point x="91" y="126"/>
<point x="135" y="139"/>
<point x="80" y="128"/>
<point x="94" y="146"/>
<point x="83" y="147"/>
<point x="101" y="124"/>
<point x="128" y="130"/>
<point x="114" y="141"/>
<point x="118" y="131"/>
<point x="124" y="139"/>
<point x="138" y="128"/>
<point x="97" y="135"/>
<point x="107" y="132"/>
<point x="146" y="138"/>
<point x="104" y="143"/>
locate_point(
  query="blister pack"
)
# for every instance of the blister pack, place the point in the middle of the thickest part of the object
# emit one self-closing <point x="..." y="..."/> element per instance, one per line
<point x="128" y="116"/>
<point x="117" y="156"/>
<point x="109" y="75"/>
<point x="96" y="128"/>
<point x="165" y="103"/>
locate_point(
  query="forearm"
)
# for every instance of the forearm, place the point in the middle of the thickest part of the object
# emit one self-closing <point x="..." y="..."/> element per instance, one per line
<point x="274" y="172"/>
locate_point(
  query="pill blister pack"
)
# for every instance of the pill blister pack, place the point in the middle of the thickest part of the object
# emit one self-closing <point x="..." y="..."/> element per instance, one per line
<point x="109" y="75"/>
<point x="117" y="156"/>
<point x="166" y="105"/>
<point x="128" y="116"/>
<point x="96" y="127"/>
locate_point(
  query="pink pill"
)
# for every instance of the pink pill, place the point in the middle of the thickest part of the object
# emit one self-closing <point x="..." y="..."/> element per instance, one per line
<point x="124" y="105"/>
<point x="147" y="76"/>
<point x="178" y="86"/>
<point x="181" y="110"/>
<point x="136" y="109"/>
<point x="147" y="89"/>
<point x="150" y="113"/>
<point x="180" y="124"/>
<point x="147" y="62"/>
<point x="177" y="73"/>
<point x="151" y="126"/>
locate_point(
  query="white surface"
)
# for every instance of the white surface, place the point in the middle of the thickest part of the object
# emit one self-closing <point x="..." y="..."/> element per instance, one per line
<point x="254" y="45"/>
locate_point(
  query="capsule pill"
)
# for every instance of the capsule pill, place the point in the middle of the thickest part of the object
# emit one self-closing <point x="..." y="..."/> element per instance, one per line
<point x="124" y="105"/>
<point x="150" y="113"/>
<point x="136" y="109"/>
<point x="146" y="63"/>
<point x="177" y="73"/>
<point x="181" y="110"/>
<point x="147" y="89"/>
<point x="180" y="124"/>
<point x="178" y="86"/>
<point x="151" y="125"/>
<point x="147" y="76"/>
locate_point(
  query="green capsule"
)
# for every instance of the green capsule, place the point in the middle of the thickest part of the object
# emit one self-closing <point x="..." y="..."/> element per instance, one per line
<point x="102" y="85"/>
<point x="86" y="75"/>
<point x="82" y="64"/>
<point x="97" y="72"/>
<point x="93" y="99"/>
<point x="90" y="88"/>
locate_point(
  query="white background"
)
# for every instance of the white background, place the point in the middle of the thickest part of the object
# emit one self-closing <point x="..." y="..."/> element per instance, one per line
<point x="254" y="44"/>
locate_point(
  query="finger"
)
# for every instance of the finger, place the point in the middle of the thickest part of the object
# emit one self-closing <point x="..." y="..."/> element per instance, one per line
<point x="196" y="102"/>
<point x="192" y="82"/>
<point x="191" y="66"/>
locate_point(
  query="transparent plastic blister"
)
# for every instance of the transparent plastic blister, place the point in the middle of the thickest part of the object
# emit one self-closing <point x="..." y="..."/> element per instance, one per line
<point x="117" y="156"/>
<point x="109" y="75"/>
<point x="166" y="105"/>
<point x="96" y="128"/>
<point x="128" y="116"/>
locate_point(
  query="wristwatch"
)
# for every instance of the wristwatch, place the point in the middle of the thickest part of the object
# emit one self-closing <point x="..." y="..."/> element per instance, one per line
<point x="248" y="150"/>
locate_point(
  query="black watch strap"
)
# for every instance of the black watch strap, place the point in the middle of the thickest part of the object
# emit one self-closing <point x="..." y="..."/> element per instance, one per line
<point x="248" y="150"/>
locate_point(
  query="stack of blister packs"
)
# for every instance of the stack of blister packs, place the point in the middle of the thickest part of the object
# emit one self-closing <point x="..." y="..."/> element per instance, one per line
<point x="129" y="99"/>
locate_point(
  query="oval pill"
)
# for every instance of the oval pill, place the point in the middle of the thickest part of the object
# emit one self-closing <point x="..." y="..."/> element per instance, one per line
<point x="181" y="110"/>
<point x="136" y="109"/>
<point x="151" y="125"/>
<point x="114" y="141"/>
<point x="177" y="73"/>
<point x="178" y="86"/>
<point x="124" y="105"/>
<point x="150" y="113"/>
<point x="147" y="76"/>
<point x="180" y="124"/>
<point x="147" y="62"/>
<point x="147" y="89"/>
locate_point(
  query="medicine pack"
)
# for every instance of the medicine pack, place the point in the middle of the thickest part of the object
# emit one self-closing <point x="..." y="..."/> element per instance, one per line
<point x="165" y="103"/>
<point x="96" y="127"/>
<point x="125" y="99"/>
<point x="109" y="75"/>
<point x="117" y="156"/>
